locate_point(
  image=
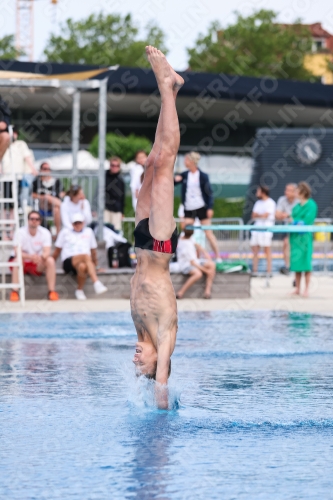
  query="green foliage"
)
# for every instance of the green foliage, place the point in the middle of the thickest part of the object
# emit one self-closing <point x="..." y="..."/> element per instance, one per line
<point x="225" y="208"/>
<point x="129" y="211"/>
<point x="254" y="46"/>
<point x="124" y="147"/>
<point x="103" y="40"/>
<point x="8" y="49"/>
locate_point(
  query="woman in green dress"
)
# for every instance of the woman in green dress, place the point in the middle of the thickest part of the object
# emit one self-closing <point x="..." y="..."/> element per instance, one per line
<point x="301" y="244"/>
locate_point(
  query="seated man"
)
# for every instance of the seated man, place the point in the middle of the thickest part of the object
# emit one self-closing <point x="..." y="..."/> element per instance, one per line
<point x="187" y="258"/>
<point x="49" y="192"/>
<point x="79" y="255"/>
<point x="36" y="244"/>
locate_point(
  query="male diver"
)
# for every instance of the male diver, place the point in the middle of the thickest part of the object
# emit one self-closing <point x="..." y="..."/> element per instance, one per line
<point x="153" y="300"/>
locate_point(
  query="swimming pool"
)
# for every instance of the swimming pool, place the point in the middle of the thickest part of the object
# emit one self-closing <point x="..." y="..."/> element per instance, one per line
<point x="252" y="418"/>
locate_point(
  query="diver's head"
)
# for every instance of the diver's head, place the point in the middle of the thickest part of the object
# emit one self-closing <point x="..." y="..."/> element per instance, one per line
<point x="145" y="360"/>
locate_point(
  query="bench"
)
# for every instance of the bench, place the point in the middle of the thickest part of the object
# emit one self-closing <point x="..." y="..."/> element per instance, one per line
<point x="226" y="286"/>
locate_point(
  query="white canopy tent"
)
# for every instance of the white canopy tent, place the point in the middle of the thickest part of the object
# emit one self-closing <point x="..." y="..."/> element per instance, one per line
<point x="84" y="159"/>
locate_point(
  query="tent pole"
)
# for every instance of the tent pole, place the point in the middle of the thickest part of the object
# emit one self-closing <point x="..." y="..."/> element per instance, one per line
<point x="76" y="132"/>
<point x="101" y="154"/>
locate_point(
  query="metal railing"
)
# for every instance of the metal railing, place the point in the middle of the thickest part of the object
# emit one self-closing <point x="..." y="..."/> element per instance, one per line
<point x="323" y="244"/>
<point x="227" y="240"/>
<point x="88" y="181"/>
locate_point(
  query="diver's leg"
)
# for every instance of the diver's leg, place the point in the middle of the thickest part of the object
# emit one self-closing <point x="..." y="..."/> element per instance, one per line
<point x="161" y="221"/>
<point x="144" y="199"/>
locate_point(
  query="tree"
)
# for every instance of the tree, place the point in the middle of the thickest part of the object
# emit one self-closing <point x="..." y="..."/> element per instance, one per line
<point x="254" y="46"/>
<point x="8" y="49"/>
<point x="119" y="145"/>
<point x="103" y="40"/>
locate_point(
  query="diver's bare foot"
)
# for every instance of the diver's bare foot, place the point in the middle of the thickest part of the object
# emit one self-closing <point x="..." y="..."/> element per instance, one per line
<point x="305" y="294"/>
<point x="296" y="292"/>
<point x="165" y="75"/>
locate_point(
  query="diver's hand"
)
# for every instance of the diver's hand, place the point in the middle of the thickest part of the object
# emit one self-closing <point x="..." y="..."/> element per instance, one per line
<point x="162" y="396"/>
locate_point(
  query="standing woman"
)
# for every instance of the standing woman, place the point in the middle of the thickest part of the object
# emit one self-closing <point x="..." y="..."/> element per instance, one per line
<point x="301" y="244"/>
<point x="197" y="197"/>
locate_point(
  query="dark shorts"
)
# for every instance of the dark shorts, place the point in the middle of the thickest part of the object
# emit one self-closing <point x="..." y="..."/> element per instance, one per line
<point x="68" y="266"/>
<point x="46" y="213"/>
<point x="201" y="213"/>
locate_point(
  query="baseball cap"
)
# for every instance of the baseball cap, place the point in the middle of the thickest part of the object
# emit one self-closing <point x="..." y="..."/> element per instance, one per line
<point x="78" y="217"/>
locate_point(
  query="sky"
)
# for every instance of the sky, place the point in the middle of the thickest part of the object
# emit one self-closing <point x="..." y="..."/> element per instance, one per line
<point x="181" y="20"/>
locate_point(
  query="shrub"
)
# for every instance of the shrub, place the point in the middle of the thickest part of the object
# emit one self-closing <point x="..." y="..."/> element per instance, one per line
<point x="124" y="147"/>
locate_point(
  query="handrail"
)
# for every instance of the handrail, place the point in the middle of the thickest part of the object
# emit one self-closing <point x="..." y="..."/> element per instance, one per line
<point x="271" y="229"/>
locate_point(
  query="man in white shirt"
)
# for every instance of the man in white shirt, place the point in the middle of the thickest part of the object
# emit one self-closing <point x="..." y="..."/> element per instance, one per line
<point x="78" y="254"/>
<point x="19" y="160"/>
<point x="189" y="263"/>
<point x="264" y="215"/>
<point x="36" y="245"/>
<point x="284" y="207"/>
<point x="136" y="175"/>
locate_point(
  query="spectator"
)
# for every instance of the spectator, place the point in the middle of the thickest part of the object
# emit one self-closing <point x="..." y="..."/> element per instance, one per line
<point x="284" y="207"/>
<point x="114" y="194"/>
<point x="78" y="254"/>
<point x="301" y="244"/>
<point x="48" y="191"/>
<point x="197" y="197"/>
<point x="187" y="258"/>
<point x="18" y="160"/>
<point x="136" y="172"/>
<point x="264" y="215"/>
<point x="5" y="114"/>
<point x="36" y="244"/>
<point x="75" y="202"/>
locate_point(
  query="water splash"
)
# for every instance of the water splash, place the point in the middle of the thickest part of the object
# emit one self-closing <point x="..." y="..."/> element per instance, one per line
<point x="141" y="390"/>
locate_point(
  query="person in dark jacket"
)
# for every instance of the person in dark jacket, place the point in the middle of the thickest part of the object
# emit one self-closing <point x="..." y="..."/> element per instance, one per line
<point x="197" y="197"/>
<point x="114" y="194"/>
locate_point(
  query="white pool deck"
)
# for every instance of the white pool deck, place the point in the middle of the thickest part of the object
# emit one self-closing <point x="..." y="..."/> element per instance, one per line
<point x="276" y="298"/>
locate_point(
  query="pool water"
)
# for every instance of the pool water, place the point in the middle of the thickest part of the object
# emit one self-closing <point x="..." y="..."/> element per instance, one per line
<point x="252" y="417"/>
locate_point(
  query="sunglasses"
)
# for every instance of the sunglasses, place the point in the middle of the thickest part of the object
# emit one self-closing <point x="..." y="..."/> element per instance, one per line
<point x="77" y="222"/>
<point x="34" y="218"/>
<point x="114" y="165"/>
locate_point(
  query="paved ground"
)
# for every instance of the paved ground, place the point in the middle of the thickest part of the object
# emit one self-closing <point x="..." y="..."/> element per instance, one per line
<point x="276" y="297"/>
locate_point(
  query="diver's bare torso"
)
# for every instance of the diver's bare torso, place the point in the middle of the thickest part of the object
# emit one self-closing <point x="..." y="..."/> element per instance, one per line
<point x="153" y="301"/>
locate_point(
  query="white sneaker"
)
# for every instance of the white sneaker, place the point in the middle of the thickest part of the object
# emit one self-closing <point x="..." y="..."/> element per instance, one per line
<point x="80" y="295"/>
<point x="99" y="287"/>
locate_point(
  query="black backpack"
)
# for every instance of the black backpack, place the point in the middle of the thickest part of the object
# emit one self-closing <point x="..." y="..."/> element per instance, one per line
<point x="123" y="254"/>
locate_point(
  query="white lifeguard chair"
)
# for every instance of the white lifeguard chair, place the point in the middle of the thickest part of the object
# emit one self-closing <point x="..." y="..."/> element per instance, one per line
<point x="12" y="225"/>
